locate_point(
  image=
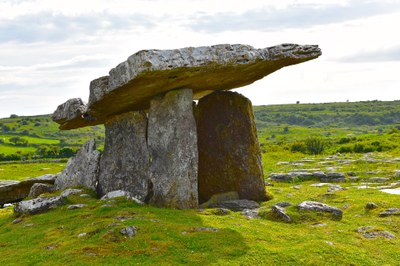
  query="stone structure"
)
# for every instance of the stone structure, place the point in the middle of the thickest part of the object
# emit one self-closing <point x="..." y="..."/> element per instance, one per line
<point x="125" y="162"/>
<point x="82" y="169"/>
<point x="14" y="191"/>
<point x="153" y="149"/>
<point x="229" y="152"/>
<point x="172" y="141"/>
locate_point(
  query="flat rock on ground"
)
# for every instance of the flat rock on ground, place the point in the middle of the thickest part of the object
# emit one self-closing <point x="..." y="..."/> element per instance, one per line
<point x="38" y="205"/>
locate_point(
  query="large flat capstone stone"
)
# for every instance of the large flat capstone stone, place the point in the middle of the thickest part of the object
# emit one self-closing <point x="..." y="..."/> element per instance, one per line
<point x="229" y="152"/>
<point x="172" y="140"/>
<point x="133" y="83"/>
<point x="124" y="164"/>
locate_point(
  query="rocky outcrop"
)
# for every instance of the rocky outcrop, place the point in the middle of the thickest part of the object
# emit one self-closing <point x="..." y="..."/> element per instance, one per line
<point x="172" y="141"/>
<point x="229" y="152"/>
<point x="337" y="213"/>
<point x="133" y="83"/>
<point x="38" y="205"/>
<point x="125" y="161"/>
<point x="14" y="191"/>
<point x="40" y="188"/>
<point x="81" y="170"/>
<point x="72" y="110"/>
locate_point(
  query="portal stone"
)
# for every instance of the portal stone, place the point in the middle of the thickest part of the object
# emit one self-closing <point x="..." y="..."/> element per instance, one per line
<point x="124" y="164"/>
<point x="172" y="140"/>
<point x="82" y="169"/>
<point x="229" y="152"/>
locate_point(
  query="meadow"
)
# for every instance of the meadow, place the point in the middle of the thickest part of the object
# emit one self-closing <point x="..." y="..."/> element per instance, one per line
<point x="362" y="149"/>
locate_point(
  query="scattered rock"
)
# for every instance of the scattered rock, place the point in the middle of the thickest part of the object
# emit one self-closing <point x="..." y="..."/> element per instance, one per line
<point x="84" y="195"/>
<point x="17" y="221"/>
<point x="51" y="247"/>
<point x="82" y="235"/>
<point x="377" y="179"/>
<point x="370" y="232"/>
<point x="280" y="177"/>
<point x="221" y="211"/>
<point x="334" y="177"/>
<point x="130" y="231"/>
<point x="280" y="213"/>
<point x="251" y="214"/>
<point x="371" y="206"/>
<point x="297" y="187"/>
<point x="40" y="188"/>
<point x="76" y="206"/>
<point x="302" y="175"/>
<point x="199" y="229"/>
<point x="321" y="185"/>
<point x="237" y="205"/>
<point x="229" y="151"/>
<point x="321" y="207"/>
<point x="319" y="174"/>
<point x="172" y="140"/>
<point x="38" y="205"/>
<point x="389" y="212"/>
<point x="82" y="169"/>
<point x="69" y="192"/>
<point x="125" y="162"/>
<point x="397" y="174"/>
<point x="14" y="191"/>
<point x="335" y="188"/>
<point x="121" y="193"/>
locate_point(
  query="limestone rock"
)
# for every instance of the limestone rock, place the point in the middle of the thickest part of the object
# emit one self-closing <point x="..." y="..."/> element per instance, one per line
<point x="371" y="206"/>
<point x="69" y="192"/>
<point x="76" y="206"/>
<point x="130" y="231"/>
<point x="172" y="140"/>
<point x="121" y="193"/>
<point x="281" y="177"/>
<point x="133" y="83"/>
<point x="38" y="205"/>
<point x="40" y="188"/>
<point x="390" y="212"/>
<point x="14" y="191"/>
<point x="72" y="110"/>
<point x="321" y="207"/>
<point x="280" y="213"/>
<point x="237" y="205"/>
<point x="82" y="169"/>
<point x="124" y="164"/>
<point x="219" y="198"/>
<point x="229" y="152"/>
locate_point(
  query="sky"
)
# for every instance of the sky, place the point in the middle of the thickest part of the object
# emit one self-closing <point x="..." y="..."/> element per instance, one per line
<point x="51" y="50"/>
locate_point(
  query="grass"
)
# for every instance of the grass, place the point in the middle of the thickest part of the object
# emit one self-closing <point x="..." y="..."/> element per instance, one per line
<point x="172" y="237"/>
<point x="19" y="171"/>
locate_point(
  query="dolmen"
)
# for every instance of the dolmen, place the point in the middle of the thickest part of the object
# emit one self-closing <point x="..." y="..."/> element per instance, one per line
<point x="162" y="146"/>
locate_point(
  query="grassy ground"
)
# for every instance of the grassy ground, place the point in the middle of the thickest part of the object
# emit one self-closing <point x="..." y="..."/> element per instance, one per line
<point x="18" y="171"/>
<point x="175" y="237"/>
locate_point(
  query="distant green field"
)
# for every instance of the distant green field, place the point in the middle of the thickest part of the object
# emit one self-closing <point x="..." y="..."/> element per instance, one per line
<point x="24" y="171"/>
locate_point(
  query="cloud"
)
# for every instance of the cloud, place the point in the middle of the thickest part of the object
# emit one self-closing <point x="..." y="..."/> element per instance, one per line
<point x="49" y="27"/>
<point x="382" y="55"/>
<point x="292" y="16"/>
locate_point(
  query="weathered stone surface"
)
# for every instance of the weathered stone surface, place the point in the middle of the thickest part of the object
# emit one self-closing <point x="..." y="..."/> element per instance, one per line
<point x="69" y="192"/>
<point x="40" y="188"/>
<point x="280" y="213"/>
<point x="229" y="152"/>
<point x="76" y="206"/>
<point x="371" y="206"/>
<point x="125" y="162"/>
<point x="320" y="207"/>
<point x="38" y="205"/>
<point x="129" y="231"/>
<point x="121" y="193"/>
<point x="281" y="177"/>
<point x="237" y="205"/>
<point x="390" y="212"/>
<point x="132" y="84"/>
<point x="14" y="191"/>
<point x="172" y="140"/>
<point x="72" y="110"/>
<point x="81" y="170"/>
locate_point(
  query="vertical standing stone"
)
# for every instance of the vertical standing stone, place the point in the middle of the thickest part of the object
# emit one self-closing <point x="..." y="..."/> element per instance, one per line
<point x="124" y="164"/>
<point x="172" y="140"/>
<point x="82" y="169"/>
<point x="229" y="152"/>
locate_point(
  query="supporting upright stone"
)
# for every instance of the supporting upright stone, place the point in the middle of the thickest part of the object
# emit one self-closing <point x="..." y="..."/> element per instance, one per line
<point x="125" y="161"/>
<point x="229" y="152"/>
<point x="172" y="140"/>
<point x="82" y="169"/>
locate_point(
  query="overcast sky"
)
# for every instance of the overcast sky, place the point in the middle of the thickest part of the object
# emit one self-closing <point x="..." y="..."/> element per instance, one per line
<point x="51" y="50"/>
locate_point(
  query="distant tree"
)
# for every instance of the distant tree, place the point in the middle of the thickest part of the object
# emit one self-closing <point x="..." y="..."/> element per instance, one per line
<point x="18" y="141"/>
<point x="13" y="116"/>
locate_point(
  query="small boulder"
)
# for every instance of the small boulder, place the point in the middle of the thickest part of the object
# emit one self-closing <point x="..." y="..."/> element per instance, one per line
<point x="320" y="207"/>
<point x="38" y="205"/>
<point x="280" y="213"/>
<point x="70" y="192"/>
<point x="121" y="193"/>
<point x="40" y="188"/>
<point x="237" y="205"/>
<point x="283" y="204"/>
<point x="76" y="206"/>
<point x="130" y="231"/>
<point x="219" y="198"/>
<point x="280" y="177"/>
<point x="251" y="214"/>
<point x="390" y="212"/>
<point x="371" y="206"/>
